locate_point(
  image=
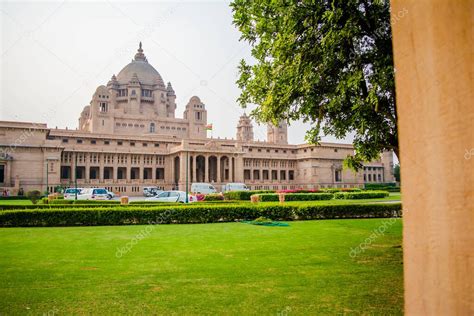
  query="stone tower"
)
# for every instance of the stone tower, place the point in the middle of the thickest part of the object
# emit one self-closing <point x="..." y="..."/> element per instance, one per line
<point x="245" y="129"/>
<point x="277" y="134"/>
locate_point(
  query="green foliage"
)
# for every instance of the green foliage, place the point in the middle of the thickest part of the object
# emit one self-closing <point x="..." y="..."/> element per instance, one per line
<point x="133" y="215"/>
<point x="33" y="196"/>
<point x="329" y="63"/>
<point x="273" y="197"/>
<point x="213" y="197"/>
<point x="243" y="195"/>
<point x="334" y="190"/>
<point x="396" y="172"/>
<point x="13" y="198"/>
<point x="360" y="195"/>
<point x="390" y="187"/>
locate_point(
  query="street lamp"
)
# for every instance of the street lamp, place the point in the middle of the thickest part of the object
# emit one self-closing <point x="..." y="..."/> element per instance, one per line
<point x="75" y="176"/>
<point x="187" y="163"/>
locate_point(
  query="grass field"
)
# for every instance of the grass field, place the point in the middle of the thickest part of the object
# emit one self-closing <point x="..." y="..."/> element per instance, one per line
<point x="230" y="268"/>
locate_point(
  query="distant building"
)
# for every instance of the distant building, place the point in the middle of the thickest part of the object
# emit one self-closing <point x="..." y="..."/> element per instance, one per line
<point x="129" y="137"/>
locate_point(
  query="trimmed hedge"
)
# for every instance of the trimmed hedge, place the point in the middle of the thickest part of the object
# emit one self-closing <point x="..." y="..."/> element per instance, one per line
<point x="390" y="187"/>
<point x="334" y="190"/>
<point x="244" y="195"/>
<point x="213" y="197"/>
<point x="360" y="195"/>
<point x="14" y="197"/>
<point x="133" y="215"/>
<point x="272" y="197"/>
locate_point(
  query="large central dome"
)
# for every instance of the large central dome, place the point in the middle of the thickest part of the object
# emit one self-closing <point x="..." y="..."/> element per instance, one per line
<point x="145" y="72"/>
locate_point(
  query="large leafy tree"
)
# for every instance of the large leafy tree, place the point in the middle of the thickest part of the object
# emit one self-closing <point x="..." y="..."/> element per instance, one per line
<point x="326" y="62"/>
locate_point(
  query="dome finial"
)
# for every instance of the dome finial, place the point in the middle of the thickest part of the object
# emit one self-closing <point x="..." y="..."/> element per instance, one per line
<point x="139" y="55"/>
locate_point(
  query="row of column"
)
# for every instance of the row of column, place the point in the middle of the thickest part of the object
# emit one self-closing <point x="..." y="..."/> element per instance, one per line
<point x="194" y="170"/>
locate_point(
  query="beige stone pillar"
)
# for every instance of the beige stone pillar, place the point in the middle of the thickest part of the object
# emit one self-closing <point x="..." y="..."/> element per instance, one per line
<point x="101" y="167"/>
<point x="115" y="173"/>
<point x="129" y="168"/>
<point x="218" y="176"/>
<point x="231" y="169"/>
<point x="206" y="169"/>
<point x="87" y="157"/>
<point x="433" y="50"/>
<point x="194" y="168"/>
<point x="239" y="169"/>
<point x="73" y="167"/>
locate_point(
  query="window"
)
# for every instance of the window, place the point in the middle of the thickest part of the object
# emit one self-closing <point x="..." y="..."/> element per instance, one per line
<point x="338" y="176"/>
<point x="133" y="92"/>
<point x="157" y="145"/>
<point x="106" y="142"/>
<point x="145" y="144"/>
<point x="120" y="143"/>
<point x="93" y="142"/>
<point x="122" y="93"/>
<point x="79" y="141"/>
<point x="103" y="107"/>
<point x="152" y="127"/>
<point x="146" y="93"/>
<point x="65" y="140"/>
<point x="198" y="116"/>
<point x="132" y="144"/>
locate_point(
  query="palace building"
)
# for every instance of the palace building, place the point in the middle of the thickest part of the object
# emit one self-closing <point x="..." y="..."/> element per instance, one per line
<point x="130" y="137"/>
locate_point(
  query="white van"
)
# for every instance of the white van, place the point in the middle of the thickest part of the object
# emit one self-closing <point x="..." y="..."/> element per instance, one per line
<point x="235" y="187"/>
<point x="203" y="188"/>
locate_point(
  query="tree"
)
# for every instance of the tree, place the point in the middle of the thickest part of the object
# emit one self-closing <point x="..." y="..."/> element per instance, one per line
<point x="33" y="196"/>
<point x="326" y="62"/>
<point x="396" y="172"/>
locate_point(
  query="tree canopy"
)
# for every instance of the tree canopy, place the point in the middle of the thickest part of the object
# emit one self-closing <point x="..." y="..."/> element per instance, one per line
<point x="329" y="63"/>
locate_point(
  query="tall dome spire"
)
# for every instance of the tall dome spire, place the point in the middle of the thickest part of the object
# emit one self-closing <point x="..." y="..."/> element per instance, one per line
<point x="139" y="55"/>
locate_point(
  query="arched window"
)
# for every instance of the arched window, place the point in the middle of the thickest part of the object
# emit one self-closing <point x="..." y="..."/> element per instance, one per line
<point x="152" y="127"/>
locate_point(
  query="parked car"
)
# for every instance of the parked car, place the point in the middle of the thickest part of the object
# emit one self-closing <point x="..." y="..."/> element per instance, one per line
<point x="172" y="196"/>
<point x="110" y="194"/>
<point x="203" y="188"/>
<point x="70" y="193"/>
<point x="94" y="194"/>
<point x="235" y="187"/>
<point x="151" y="191"/>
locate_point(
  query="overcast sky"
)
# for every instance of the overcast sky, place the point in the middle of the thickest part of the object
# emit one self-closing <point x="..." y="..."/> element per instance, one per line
<point x="54" y="55"/>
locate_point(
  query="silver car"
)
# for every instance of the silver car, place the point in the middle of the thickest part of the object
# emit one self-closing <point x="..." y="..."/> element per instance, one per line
<point x="172" y="196"/>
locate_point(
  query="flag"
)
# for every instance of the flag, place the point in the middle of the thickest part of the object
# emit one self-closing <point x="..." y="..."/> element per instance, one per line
<point x="209" y="127"/>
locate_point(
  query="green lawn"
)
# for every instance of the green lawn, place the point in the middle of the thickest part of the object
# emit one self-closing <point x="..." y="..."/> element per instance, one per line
<point x="230" y="268"/>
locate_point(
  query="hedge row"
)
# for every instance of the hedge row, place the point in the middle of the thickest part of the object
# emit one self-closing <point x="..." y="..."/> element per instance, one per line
<point x="213" y="197"/>
<point x="360" y="195"/>
<point x="272" y="197"/>
<point x="191" y="214"/>
<point x="334" y="190"/>
<point x="244" y="195"/>
<point x="390" y="187"/>
<point x="100" y="204"/>
<point x="13" y="197"/>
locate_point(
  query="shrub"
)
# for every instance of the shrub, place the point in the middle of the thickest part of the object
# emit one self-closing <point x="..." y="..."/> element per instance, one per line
<point x="243" y="195"/>
<point x="273" y="197"/>
<point x="33" y="196"/>
<point x="360" y="195"/>
<point x="132" y="215"/>
<point x="214" y="197"/>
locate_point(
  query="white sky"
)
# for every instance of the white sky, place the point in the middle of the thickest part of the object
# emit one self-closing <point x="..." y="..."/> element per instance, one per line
<point x="55" y="54"/>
